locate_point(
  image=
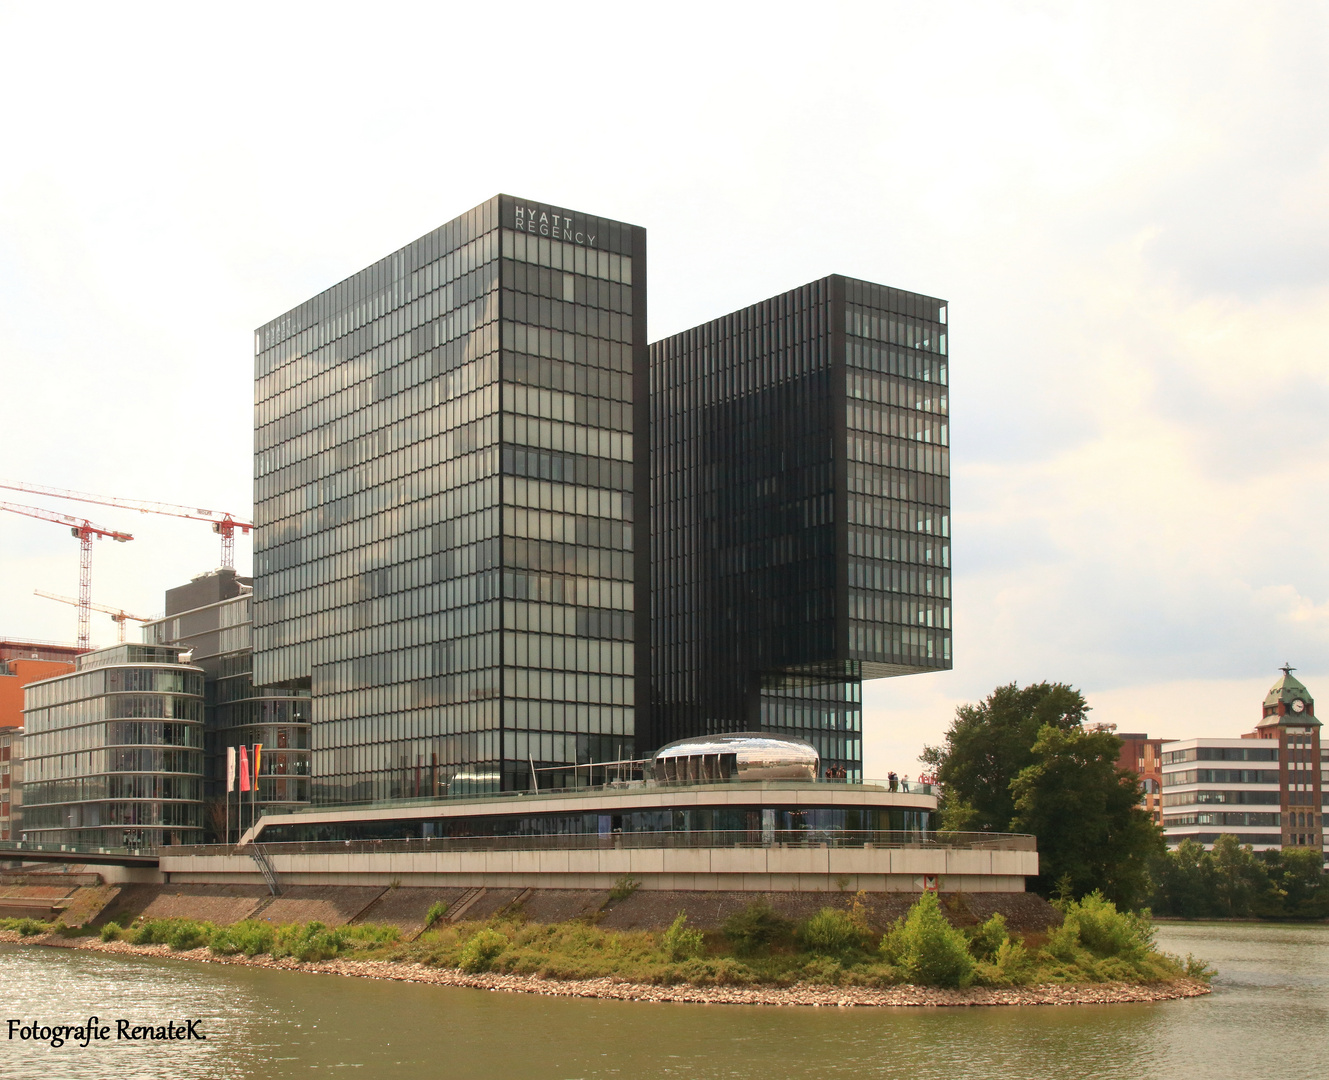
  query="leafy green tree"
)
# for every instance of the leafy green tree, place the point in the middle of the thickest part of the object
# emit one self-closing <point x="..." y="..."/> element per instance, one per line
<point x="1232" y="881"/>
<point x="1086" y="814"/>
<point x="1298" y="882"/>
<point x="990" y="743"/>
<point x="1183" y="881"/>
<point x="1240" y="880"/>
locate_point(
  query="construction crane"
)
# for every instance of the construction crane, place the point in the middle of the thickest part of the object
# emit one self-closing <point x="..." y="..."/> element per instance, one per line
<point x="85" y="531"/>
<point x="118" y="615"/>
<point x="223" y="523"/>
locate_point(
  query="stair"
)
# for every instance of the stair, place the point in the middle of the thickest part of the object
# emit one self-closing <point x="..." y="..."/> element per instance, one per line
<point x="464" y="903"/>
<point x="260" y="856"/>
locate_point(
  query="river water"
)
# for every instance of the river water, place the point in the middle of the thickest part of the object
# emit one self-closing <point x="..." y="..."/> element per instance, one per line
<point x="1268" y="1015"/>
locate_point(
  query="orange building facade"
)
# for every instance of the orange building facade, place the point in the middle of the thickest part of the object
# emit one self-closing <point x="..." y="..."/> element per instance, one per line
<point x="22" y="662"/>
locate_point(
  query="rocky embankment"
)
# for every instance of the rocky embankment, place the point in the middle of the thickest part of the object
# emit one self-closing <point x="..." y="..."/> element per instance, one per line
<point x="803" y="994"/>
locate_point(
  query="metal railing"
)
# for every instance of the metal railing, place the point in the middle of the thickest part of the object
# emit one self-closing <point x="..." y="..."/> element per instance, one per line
<point x="19" y="846"/>
<point x="704" y="838"/>
<point x="903" y="787"/>
<point x="259" y="854"/>
<point x="76" y="853"/>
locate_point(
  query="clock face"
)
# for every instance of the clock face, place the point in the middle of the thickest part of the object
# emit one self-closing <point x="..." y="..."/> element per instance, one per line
<point x="1298" y="705"/>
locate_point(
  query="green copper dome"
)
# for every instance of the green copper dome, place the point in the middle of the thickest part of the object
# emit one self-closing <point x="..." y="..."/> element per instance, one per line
<point x="1286" y="691"/>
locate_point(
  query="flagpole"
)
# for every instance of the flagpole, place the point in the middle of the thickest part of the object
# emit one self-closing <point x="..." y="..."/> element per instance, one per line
<point x="258" y="753"/>
<point x="226" y="794"/>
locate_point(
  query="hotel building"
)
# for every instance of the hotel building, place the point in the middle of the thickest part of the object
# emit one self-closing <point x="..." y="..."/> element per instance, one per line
<point x="800" y="514"/>
<point x="497" y="537"/>
<point x="446" y="499"/>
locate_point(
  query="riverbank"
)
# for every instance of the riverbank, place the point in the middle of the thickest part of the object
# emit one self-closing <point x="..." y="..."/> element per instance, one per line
<point x="800" y="995"/>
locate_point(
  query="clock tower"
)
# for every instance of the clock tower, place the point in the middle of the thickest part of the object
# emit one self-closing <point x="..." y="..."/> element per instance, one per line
<point x="1289" y="717"/>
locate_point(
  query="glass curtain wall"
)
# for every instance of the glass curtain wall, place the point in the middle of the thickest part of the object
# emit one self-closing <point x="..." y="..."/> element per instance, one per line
<point x="573" y="331"/>
<point x="898" y="480"/>
<point x="443" y="500"/>
<point x="114" y="752"/>
<point x="236" y="713"/>
<point x="800" y="514"/>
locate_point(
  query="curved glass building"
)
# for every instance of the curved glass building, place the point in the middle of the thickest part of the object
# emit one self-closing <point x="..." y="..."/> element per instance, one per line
<point x="114" y="751"/>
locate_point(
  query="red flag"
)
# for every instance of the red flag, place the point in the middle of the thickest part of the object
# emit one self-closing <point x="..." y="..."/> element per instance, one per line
<point x="244" y="769"/>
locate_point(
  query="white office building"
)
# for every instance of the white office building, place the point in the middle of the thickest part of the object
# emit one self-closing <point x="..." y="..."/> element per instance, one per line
<point x="1216" y="786"/>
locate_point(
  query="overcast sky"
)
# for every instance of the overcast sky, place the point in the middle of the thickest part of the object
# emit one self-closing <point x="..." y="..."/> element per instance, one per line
<point x="1125" y="205"/>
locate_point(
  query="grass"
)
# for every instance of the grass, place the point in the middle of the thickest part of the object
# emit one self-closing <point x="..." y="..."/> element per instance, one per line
<point x="1095" y="943"/>
<point x="27" y="927"/>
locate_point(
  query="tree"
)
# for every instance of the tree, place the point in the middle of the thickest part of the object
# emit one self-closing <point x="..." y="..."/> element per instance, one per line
<point x="1085" y="812"/>
<point x="1240" y="880"/>
<point x="1299" y="883"/>
<point x="990" y="743"/>
<point x="1183" y="881"/>
<point x="1232" y="881"/>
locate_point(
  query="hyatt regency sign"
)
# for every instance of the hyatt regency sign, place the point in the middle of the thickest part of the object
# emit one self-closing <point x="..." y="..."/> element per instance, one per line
<point x="555" y="226"/>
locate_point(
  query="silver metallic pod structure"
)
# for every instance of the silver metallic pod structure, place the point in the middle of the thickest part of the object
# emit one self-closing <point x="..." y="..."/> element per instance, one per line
<point x="745" y="755"/>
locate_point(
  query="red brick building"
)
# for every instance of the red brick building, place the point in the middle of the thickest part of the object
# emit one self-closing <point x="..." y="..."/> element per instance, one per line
<point x="1143" y="755"/>
<point x="1289" y="718"/>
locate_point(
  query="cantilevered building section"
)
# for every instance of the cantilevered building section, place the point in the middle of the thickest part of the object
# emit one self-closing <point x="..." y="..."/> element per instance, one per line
<point x="444" y="501"/>
<point x="800" y="502"/>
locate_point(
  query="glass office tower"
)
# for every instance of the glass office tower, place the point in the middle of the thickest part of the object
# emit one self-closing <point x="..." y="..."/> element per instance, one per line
<point x="800" y="513"/>
<point x="445" y="497"/>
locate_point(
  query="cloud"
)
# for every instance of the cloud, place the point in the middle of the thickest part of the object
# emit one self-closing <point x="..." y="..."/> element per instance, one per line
<point x="1123" y="205"/>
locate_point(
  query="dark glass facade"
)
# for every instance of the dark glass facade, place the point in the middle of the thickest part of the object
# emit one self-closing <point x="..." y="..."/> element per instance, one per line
<point x="445" y="499"/>
<point x="113" y="752"/>
<point x="790" y="823"/>
<point x="212" y="618"/>
<point x="800" y="513"/>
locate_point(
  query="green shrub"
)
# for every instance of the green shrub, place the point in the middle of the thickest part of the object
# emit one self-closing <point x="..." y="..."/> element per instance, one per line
<point x="1010" y="965"/>
<point x="323" y="945"/>
<point x="680" y="943"/>
<point x="926" y="948"/>
<point x="1196" y="968"/>
<point x="110" y="931"/>
<point x="436" y="911"/>
<point x="370" y="934"/>
<point x="311" y="942"/>
<point x="26" y="927"/>
<point x="151" y="932"/>
<point x="480" y="952"/>
<point x="754" y="928"/>
<point x="186" y="934"/>
<point x="624" y="887"/>
<point x="251" y="937"/>
<point x="1105" y="931"/>
<point x="986" y="938"/>
<point x="832" y="932"/>
<point x="1063" y="943"/>
<point x="822" y="969"/>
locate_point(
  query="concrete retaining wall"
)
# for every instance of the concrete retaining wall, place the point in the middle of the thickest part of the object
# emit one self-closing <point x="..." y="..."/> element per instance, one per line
<point x="677" y="869"/>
